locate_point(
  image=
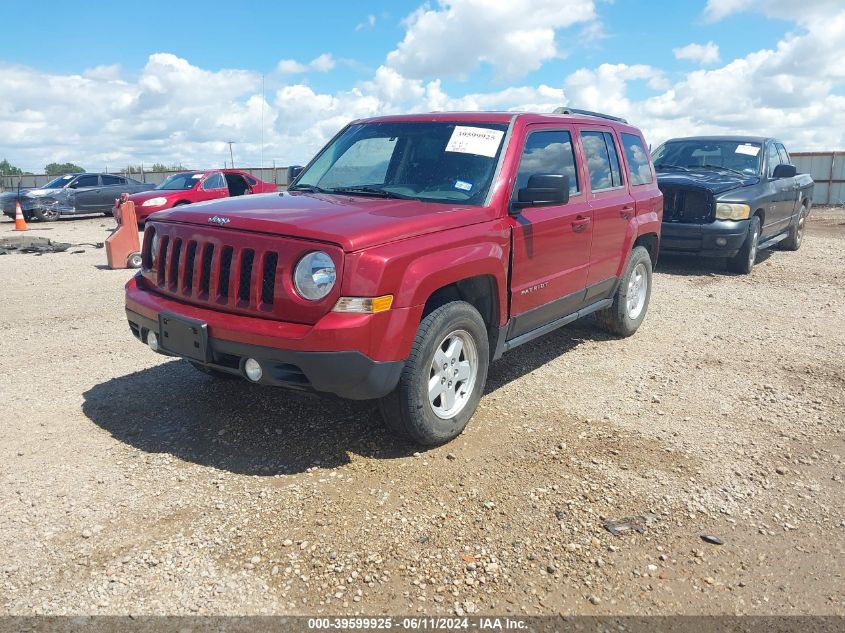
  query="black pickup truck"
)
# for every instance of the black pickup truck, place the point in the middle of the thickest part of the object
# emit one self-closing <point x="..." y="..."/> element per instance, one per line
<point x="730" y="196"/>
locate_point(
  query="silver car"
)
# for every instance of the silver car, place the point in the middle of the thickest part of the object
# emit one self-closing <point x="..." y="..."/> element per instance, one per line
<point x="71" y="194"/>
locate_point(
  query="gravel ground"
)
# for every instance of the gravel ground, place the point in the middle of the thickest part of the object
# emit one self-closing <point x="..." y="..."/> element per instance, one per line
<point x="130" y="483"/>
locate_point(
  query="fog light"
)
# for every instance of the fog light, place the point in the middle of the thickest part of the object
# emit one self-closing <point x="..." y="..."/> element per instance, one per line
<point x="252" y="370"/>
<point x="721" y="241"/>
<point x="152" y="341"/>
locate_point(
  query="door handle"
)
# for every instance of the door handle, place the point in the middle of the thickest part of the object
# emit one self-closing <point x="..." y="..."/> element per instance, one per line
<point x="580" y="223"/>
<point x="627" y="213"/>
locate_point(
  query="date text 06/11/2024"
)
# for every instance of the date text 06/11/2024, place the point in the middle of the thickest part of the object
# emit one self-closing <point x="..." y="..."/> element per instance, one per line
<point x="418" y="624"/>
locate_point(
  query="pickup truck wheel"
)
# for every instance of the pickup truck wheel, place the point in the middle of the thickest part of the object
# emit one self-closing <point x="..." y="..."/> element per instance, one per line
<point x="796" y="233"/>
<point x="46" y="215"/>
<point x="630" y="302"/>
<point x="443" y="378"/>
<point x="744" y="260"/>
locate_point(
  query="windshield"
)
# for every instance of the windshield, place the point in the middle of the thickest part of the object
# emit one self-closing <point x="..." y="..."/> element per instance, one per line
<point x="58" y="183"/>
<point x="691" y="153"/>
<point x="181" y="181"/>
<point x="423" y="160"/>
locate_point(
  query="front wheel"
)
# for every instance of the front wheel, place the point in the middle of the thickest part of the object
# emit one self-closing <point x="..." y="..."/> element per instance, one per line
<point x="443" y="378"/>
<point x="46" y="215"/>
<point x="630" y="302"/>
<point x="744" y="260"/>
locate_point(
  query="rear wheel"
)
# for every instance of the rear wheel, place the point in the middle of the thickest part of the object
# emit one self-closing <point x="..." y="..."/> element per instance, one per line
<point x="796" y="233"/>
<point x="443" y="378"/>
<point x="630" y="302"/>
<point x="134" y="260"/>
<point x="744" y="260"/>
<point x="46" y="215"/>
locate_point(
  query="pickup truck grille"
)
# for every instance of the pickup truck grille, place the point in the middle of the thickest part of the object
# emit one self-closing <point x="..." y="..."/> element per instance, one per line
<point x="687" y="204"/>
<point x="231" y="271"/>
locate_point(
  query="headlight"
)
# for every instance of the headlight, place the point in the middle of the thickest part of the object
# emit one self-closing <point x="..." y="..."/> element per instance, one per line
<point x="725" y="211"/>
<point x="314" y="276"/>
<point x="154" y="202"/>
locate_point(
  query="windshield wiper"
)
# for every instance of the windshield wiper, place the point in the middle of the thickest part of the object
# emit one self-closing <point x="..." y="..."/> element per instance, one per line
<point x="736" y="171"/>
<point x="670" y="166"/>
<point x="309" y="189"/>
<point x="372" y="191"/>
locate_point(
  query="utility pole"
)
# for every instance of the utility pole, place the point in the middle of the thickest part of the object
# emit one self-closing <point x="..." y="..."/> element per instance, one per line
<point x="231" y="155"/>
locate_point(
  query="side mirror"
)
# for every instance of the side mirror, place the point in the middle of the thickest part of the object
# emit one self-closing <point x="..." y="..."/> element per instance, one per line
<point x="293" y="172"/>
<point x="784" y="171"/>
<point x="542" y="190"/>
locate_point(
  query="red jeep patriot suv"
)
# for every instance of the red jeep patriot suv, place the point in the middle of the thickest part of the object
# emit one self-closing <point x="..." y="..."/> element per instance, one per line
<point x="408" y="254"/>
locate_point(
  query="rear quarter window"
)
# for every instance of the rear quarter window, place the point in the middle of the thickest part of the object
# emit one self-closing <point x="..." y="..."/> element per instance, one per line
<point x="639" y="167"/>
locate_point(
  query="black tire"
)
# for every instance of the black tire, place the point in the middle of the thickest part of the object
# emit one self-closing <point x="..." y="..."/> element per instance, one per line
<point x="743" y="261"/>
<point x="46" y="215"/>
<point x="408" y="410"/>
<point x="624" y="316"/>
<point x="796" y="233"/>
<point x="214" y="373"/>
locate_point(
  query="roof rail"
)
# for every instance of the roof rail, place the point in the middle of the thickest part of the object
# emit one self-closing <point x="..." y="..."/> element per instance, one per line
<point x="588" y="113"/>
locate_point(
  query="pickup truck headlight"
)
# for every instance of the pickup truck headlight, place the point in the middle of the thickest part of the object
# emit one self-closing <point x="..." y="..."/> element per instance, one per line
<point x="314" y="276"/>
<point x="154" y="202"/>
<point x="725" y="211"/>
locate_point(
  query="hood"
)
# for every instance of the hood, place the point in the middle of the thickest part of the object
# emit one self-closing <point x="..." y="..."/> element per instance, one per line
<point x="711" y="179"/>
<point x="353" y="222"/>
<point x="32" y="193"/>
<point x="156" y="193"/>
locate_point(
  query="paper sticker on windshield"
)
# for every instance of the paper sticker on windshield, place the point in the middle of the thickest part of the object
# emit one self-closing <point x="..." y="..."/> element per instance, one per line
<point x="750" y="150"/>
<point x="462" y="185"/>
<point x="195" y="176"/>
<point x="475" y="140"/>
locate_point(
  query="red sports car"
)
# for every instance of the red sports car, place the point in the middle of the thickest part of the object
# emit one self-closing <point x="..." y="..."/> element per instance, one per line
<point x="197" y="186"/>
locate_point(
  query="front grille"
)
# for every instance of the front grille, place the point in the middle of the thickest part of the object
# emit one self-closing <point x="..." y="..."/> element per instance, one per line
<point x="686" y="204"/>
<point x="190" y="268"/>
<point x="228" y="270"/>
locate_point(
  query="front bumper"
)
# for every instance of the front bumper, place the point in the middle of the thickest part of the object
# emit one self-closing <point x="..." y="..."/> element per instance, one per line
<point x="282" y="349"/>
<point x="721" y="238"/>
<point x="28" y="205"/>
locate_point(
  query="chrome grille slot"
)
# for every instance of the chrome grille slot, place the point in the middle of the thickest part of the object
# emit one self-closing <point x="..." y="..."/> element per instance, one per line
<point x="175" y="256"/>
<point x="225" y="270"/>
<point x="245" y="274"/>
<point x="205" y="270"/>
<point x="162" y="261"/>
<point x="190" y="265"/>
<point x="268" y="278"/>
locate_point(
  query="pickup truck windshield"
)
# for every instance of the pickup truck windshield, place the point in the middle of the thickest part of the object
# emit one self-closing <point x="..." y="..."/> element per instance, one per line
<point x="422" y="160"/>
<point x="736" y="156"/>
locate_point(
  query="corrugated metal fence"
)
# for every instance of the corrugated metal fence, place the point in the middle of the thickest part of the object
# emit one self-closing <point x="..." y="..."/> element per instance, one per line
<point x="828" y="170"/>
<point x="276" y="175"/>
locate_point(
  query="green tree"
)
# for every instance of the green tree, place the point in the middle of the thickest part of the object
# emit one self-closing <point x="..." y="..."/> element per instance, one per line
<point x="8" y="169"/>
<point x="57" y="169"/>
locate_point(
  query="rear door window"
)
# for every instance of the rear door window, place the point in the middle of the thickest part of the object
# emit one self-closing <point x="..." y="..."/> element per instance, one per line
<point x="111" y="181"/>
<point x="602" y="160"/>
<point x="639" y="168"/>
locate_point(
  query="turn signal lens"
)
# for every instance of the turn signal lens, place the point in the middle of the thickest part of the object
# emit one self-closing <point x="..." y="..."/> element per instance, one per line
<point x="364" y="305"/>
<point x="725" y="211"/>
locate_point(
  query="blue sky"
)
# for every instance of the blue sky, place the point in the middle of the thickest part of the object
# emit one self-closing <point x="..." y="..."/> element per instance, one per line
<point x="384" y="56"/>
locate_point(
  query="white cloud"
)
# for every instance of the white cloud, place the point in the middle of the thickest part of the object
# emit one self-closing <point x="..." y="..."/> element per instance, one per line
<point x="800" y="12"/>
<point x="321" y="64"/>
<point x="369" y="23"/>
<point x="513" y="37"/>
<point x="704" y="54"/>
<point x="175" y="111"/>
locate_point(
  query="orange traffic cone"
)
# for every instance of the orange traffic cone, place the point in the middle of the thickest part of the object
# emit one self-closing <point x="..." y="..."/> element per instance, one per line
<point x="20" y="223"/>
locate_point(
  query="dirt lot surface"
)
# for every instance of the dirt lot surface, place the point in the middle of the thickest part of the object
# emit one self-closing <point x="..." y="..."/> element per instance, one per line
<point x="130" y="483"/>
